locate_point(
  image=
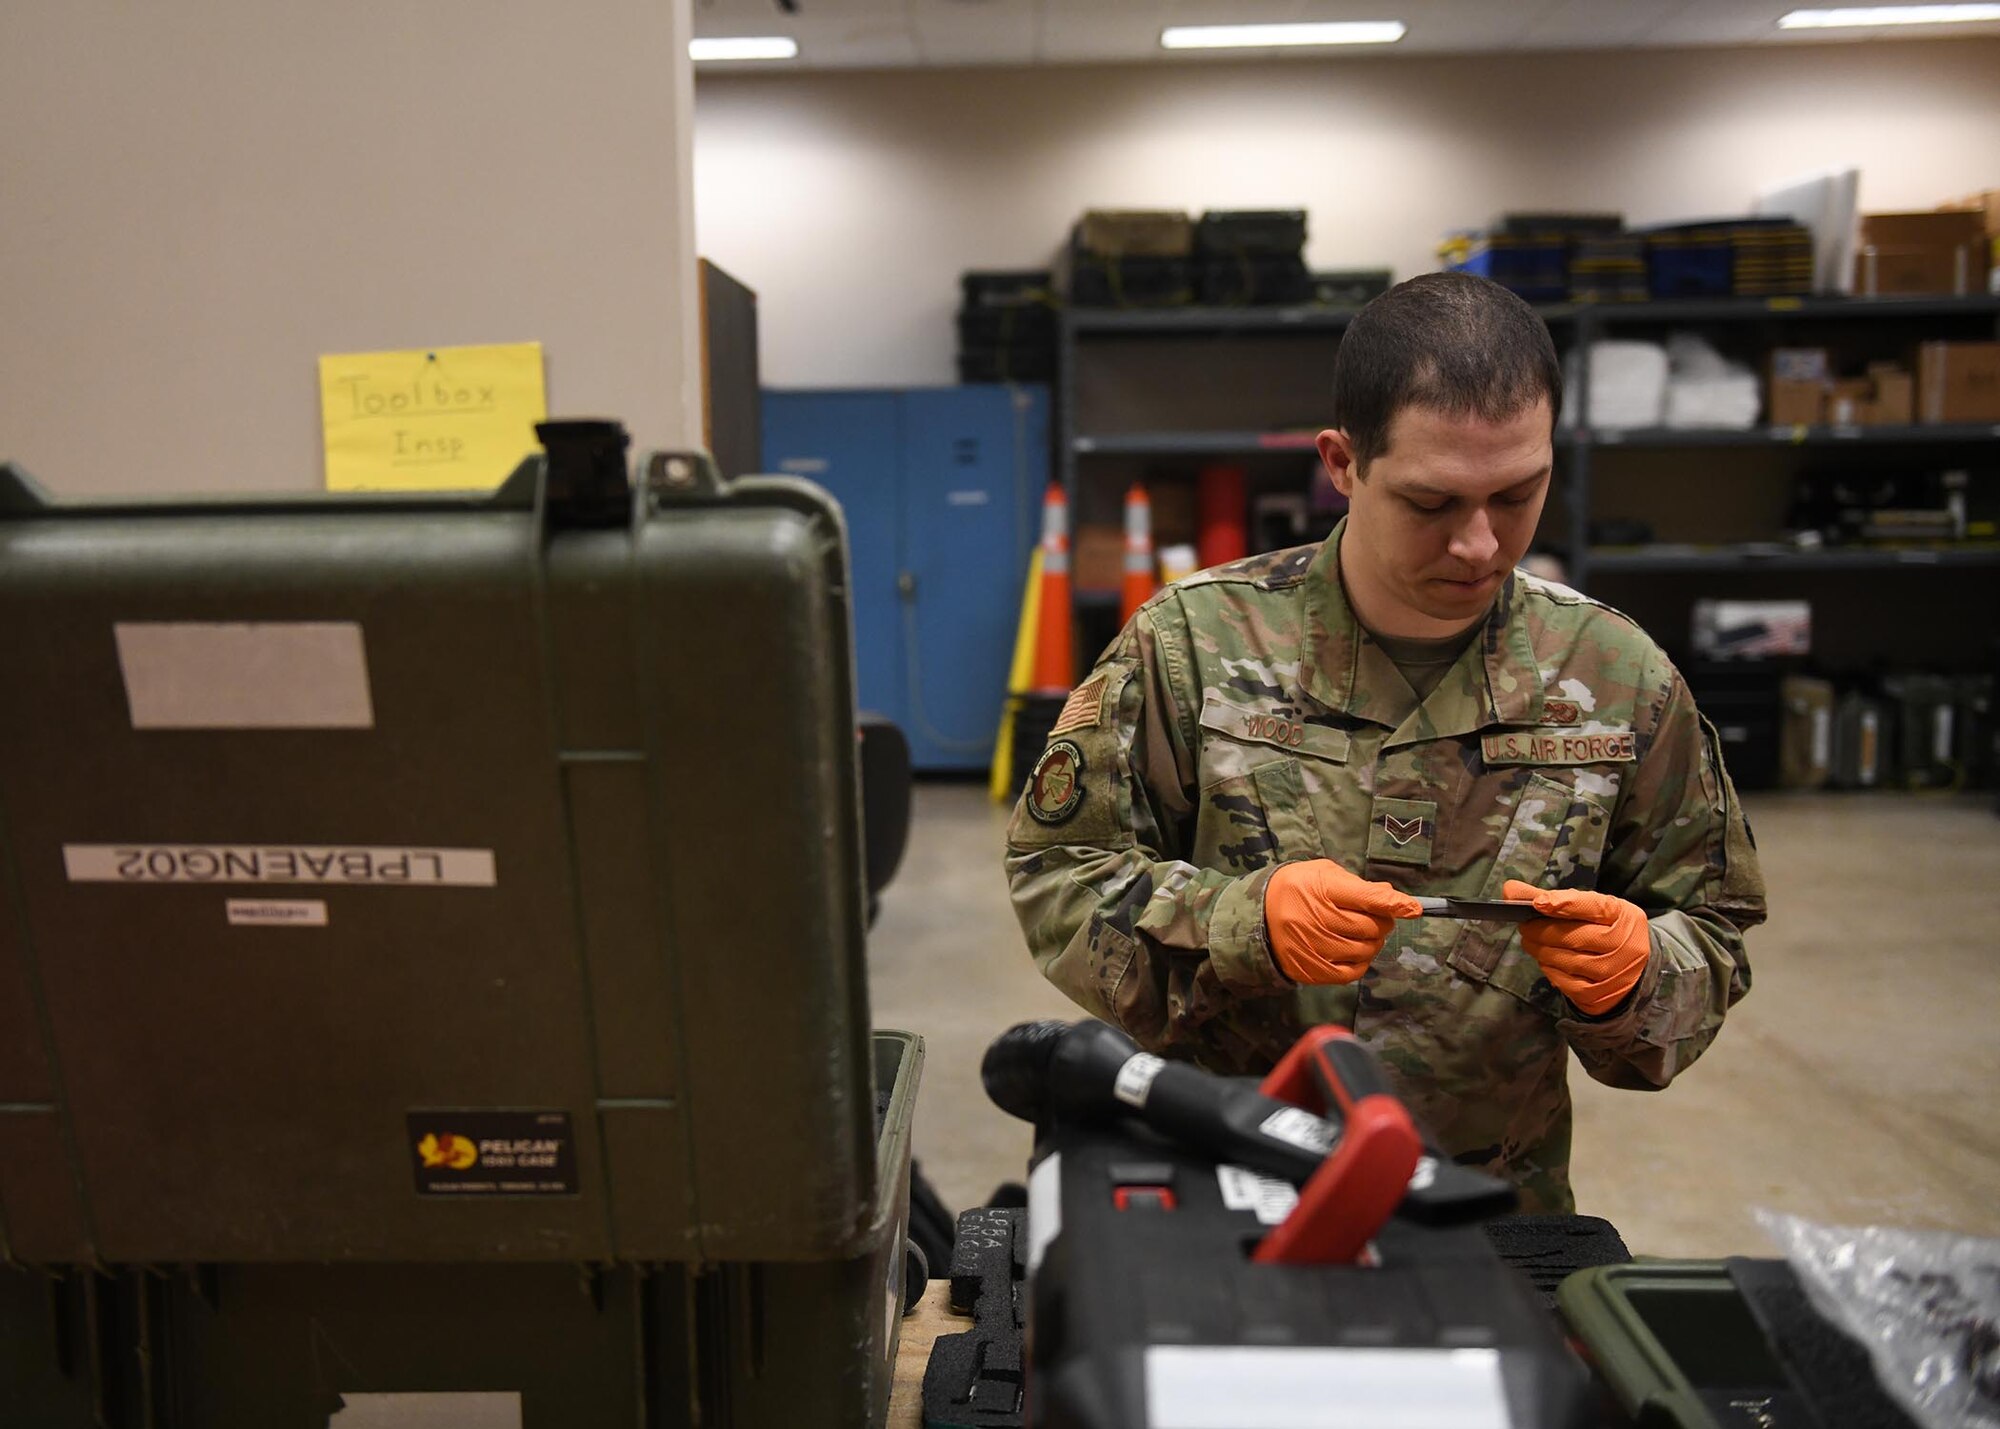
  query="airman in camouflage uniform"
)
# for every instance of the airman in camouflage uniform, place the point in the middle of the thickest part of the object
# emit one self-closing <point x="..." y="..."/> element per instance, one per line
<point x="1245" y="718"/>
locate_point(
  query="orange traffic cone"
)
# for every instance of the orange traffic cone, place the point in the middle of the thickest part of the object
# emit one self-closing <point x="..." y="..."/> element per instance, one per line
<point x="1055" y="656"/>
<point x="1139" y="579"/>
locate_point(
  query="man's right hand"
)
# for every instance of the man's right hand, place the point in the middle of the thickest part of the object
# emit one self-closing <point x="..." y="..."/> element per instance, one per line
<point x="1325" y="925"/>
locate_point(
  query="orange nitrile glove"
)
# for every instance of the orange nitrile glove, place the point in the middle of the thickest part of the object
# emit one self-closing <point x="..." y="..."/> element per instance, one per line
<point x="1592" y="946"/>
<point x="1325" y="924"/>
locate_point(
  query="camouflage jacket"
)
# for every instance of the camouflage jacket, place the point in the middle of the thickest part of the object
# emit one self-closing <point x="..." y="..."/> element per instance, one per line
<point x="1244" y="718"/>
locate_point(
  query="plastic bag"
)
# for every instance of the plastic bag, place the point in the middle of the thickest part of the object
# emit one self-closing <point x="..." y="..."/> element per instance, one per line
<point x="1925" y="1305"/>
<point x="1706" y="389"/>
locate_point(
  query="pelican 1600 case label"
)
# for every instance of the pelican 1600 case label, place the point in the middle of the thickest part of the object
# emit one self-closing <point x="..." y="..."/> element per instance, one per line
<point x="493" y="1153"/>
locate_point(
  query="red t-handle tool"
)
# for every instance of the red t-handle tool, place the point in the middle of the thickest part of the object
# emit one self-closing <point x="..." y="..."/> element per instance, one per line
<point x="1361" y="1182"/>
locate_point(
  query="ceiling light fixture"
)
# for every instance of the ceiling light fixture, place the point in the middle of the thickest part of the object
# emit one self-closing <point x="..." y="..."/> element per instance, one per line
<point x="1888" y="15"/>
<point x="767" y="47"/>
<point x="1247" y="37"/>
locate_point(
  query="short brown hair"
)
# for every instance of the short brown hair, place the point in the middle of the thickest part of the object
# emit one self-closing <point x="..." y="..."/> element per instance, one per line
<point x="1452" y="342"/>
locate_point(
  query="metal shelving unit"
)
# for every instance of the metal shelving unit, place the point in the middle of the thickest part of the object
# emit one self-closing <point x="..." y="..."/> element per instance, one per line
<point x="1584" y="447"/>
<point x="1709" y="310"/>
<point x="1195" y="320"/>
<point x="1579" y="449"/>
<point x="1079" y="324"/>
<point x="1940" y="434"/>
<point x="1193" y="443"/>
<point x="1761" y="557"/>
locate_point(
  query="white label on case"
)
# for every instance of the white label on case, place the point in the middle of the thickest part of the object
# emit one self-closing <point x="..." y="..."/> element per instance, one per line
<point x="1044" y="1208"/>
<point x="279" y="863"/>
<point x="1244" y="1190"/>
<point x="1299" y="1127"/>
<point x="264" y="675"/>
<point x="1135" y="1078"/>
<point x="276" y="913"/>
<point x="1301" y="1387"/>
<point x="429" y="1409"/>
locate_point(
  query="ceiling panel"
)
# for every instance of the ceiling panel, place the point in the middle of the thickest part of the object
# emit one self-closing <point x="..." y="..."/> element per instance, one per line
<point x="851" y="33"/>
<point x="1721" y="22"/>
<point x="988" y="32"/>
<point x="1601" y="24"/>
<point x="1079" y="34"/>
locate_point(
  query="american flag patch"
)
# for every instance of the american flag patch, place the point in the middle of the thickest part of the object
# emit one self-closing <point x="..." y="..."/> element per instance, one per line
<point x="1083" y="709"/>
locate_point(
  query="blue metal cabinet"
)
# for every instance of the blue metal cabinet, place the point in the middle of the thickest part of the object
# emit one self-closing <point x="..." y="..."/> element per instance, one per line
<point x="941" y="487"/>
<point x="850" y="443"/>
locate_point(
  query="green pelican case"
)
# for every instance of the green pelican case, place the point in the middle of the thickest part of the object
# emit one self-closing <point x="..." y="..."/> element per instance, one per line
<point x="432" y="953"/>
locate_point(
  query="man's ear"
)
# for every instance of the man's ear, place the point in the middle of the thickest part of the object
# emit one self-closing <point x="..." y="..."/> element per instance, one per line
<point x="1336" y="454"/>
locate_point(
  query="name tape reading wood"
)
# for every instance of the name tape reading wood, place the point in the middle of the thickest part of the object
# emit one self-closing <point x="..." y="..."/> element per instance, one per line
<point x="279" y="863"/>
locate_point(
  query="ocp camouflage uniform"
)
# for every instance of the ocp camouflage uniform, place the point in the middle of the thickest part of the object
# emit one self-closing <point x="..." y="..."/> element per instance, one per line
<point x="1243" y="718"/>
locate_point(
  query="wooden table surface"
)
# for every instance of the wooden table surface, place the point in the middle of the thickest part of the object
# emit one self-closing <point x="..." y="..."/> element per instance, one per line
<point x="920" y="1331"/>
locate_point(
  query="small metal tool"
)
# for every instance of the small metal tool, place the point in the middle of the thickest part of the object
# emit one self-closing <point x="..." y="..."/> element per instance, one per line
<point x="1490" y="910"/>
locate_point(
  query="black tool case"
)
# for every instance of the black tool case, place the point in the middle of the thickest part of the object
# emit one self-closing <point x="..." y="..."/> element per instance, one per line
<point x="1147" y="1308"/>
<point x="1247" y="281"/>
<point x="1270" y="233"/>
<point x="432" y="956"/>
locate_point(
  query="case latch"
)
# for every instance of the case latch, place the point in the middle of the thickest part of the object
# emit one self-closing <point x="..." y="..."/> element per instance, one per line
<point x="587" y="483"/>
<point x="680" y="477"/>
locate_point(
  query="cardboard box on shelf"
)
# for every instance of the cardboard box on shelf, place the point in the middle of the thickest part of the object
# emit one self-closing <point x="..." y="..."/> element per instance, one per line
<point x="1172" y="499"/>
<point x="1098" y="557"/>
<point x="1985" y="203"/>
<point x="1903" y="254"/>
<point x="1917" y="272"/>
<point x="1807" y="737"/>
<point x="1847" y="400"/>
<point x="1940" y="229"/>
<point x="1797" y="390"/>
<point x="1800" y="364"/>
<point x="1796" y="404"/>
<point x="1893" y="402"/>
<point x="1958" y="382"/>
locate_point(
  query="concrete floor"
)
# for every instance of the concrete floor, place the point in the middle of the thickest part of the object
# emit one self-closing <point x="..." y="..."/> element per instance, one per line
<point x="1857" y="1084"/>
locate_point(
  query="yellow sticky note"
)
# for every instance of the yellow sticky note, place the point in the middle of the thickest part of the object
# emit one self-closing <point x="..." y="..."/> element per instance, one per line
<point x="430" y="419"/>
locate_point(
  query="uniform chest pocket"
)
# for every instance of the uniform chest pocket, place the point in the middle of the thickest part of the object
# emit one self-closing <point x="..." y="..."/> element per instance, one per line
<point x="1556" y="840"/>
<point x="1258" y="817"/>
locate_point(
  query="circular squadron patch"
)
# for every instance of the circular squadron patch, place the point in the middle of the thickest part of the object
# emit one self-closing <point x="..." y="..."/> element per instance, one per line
<point x="1056" y="786"/>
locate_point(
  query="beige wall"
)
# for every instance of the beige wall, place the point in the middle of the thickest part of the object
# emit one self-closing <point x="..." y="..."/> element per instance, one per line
<point x="851" y="202"/>
<point x="198" y="200"/>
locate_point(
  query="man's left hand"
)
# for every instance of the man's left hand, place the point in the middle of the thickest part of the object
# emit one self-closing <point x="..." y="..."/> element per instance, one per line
<point x="1592" y="946"/>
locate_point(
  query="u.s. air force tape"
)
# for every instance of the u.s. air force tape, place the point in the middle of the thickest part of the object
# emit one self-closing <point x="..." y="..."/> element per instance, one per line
<point x="1559" y="746"/>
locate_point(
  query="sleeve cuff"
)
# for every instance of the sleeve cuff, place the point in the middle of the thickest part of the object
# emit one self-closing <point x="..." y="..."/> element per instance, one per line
<point x="1620" y="1026"/>
<point x="1238" y="947"/>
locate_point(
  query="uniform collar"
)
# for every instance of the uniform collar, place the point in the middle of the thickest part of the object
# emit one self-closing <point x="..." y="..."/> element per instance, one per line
<point x="1496" y="680"/>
